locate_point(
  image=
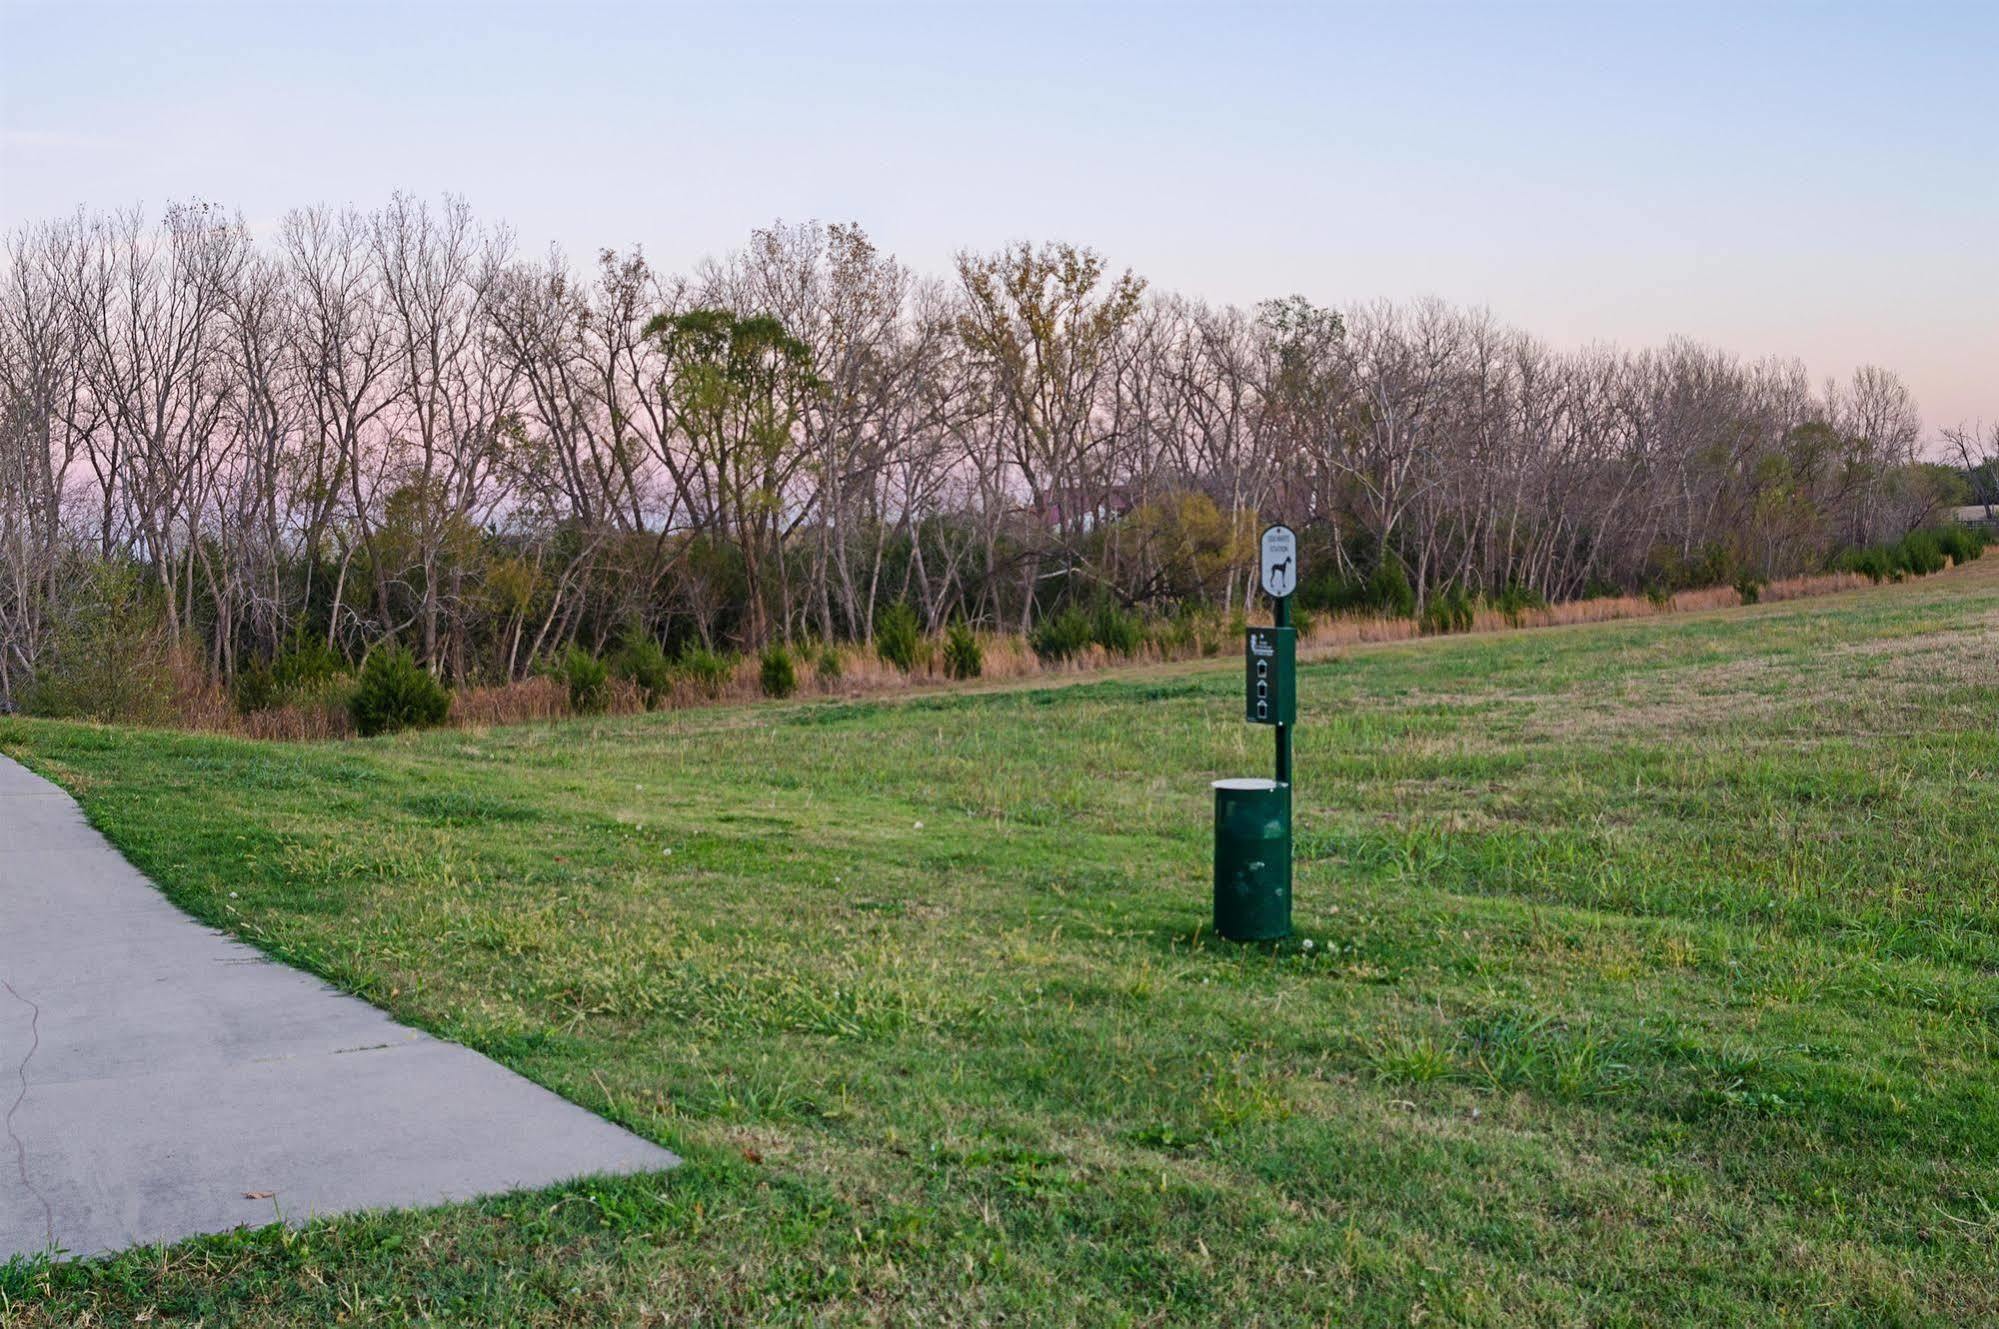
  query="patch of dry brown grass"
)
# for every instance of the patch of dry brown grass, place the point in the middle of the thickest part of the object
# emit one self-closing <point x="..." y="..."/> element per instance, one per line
<point x="296" y="722"/>
<point x="533" y="699"/>
<point x="1824" y="583"/>
<point x="1008" y="656"/>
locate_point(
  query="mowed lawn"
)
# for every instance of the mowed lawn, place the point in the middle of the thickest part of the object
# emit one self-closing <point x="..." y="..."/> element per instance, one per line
<point x="1646" y="973"/>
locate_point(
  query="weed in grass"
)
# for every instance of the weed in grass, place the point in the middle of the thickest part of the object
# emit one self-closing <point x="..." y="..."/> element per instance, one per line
<point x="1412" y="1059"/>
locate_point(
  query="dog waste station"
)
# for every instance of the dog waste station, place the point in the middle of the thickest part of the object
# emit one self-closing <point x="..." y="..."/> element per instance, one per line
<point x="1253" y="816"/>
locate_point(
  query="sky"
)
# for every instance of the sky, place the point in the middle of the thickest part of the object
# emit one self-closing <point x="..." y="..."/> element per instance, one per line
<point x="1811" y="181"/>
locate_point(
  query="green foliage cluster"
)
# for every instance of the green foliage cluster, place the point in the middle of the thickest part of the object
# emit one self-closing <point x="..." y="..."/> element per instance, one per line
<point x="108" y="656"/>
<point x="1962" y="544"/>
<point x="898" y="636"/>
<point x="1449" y="610"/>
<point x="1062" y="635"/>
<point x="1386" y="590"/>
<point x="1876" y="562"/>
<point x="1118" y="630"/>
<point x="1922" y="554"/>
<point x="1185" y="547"/>
<point x="642" y="662"/>
<point x="777" y="673"/>
<point x="707" y="671"/>
<point x="1191" y="630"/>
<point x="588" y="679"/>
<point x="395" y="692"/>
<point x="255" y="690"/>
<point x="1669" y="569"/>
<point x="307" y="670"/>
<point x="1516" y="601"/>
<point x="1389" y="591"/>
<point x="963" y="656"/>
<point x="1073" y="629"/>
<point x="830" y="665"/>
<point x="1917" y="554"/>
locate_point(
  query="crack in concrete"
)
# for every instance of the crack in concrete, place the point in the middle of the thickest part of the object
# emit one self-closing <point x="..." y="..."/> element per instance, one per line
<point x="20" y="1145"/>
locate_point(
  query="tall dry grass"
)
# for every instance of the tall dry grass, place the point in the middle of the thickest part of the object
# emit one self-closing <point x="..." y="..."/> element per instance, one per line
<point x="202" y="704"/>
<point x="1343" y="630"/>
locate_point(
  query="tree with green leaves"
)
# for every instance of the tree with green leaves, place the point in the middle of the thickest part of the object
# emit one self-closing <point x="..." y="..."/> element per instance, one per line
<point x="735" y="386"/>
<point x="1045" y="326"/>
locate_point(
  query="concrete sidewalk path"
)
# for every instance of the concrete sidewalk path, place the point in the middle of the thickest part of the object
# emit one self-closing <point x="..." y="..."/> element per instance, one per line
<point x="158" y="1079"/>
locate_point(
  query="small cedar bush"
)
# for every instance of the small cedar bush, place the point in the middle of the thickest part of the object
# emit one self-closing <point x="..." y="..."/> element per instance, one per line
<point x="1749" y="587"/>
<point x="255" y="689"/>
<point x="778" y="675"/>
<point x="395" y="692"/>
<point x="1117" y="630"/>
<point x="1516" y="601"/>
<point x="1961" y="543"/>
<point x="707" y="670"/>
<point x="1062" y="635"/>
<point x="1871" y="563"/>
<point x="1921" y="553"/>
<point x="829" y="666"/>
<point x="1180" y="633"/>
<point x="898" y="635"/>
<point x="588" y="679"/>
<point x="1389" y="591"/>
<point x="1328" y="587"/>
<point x="307" y="670"/>
<point x="1385" y="591"/>
<point x="641" y="661"/>
<point x="1449" y="610"/>
<point x="1917" y="554"/>
<point x="963" y="656"/>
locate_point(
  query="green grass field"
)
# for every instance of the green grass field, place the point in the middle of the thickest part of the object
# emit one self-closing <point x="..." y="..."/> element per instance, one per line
<point x="1653" y="979"/>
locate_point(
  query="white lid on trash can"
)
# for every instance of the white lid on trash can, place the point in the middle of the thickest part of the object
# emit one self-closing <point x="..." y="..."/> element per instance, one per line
<point x="1243" y="782"/>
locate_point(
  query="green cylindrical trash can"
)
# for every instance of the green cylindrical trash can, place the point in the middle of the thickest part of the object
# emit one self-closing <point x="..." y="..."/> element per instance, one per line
<point x="1252" y="860"/>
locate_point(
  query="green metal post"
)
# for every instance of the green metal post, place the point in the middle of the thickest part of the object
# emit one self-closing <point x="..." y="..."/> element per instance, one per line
<point x="1283" y="616"/>
<point x="1253" y="817"/>
<point x="1282" y="619"/>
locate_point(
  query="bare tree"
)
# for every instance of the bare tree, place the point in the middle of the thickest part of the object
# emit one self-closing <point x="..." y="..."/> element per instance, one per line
<point x="389" y="425"/>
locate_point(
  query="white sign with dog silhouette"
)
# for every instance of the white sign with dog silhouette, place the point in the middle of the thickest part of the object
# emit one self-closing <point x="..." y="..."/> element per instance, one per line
<point x="1280" y="562"/>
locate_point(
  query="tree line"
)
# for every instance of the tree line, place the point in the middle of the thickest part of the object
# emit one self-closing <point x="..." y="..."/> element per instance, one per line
<point x="392" y="426"/>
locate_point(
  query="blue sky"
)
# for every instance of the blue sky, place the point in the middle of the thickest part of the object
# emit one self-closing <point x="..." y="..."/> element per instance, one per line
<point x="1809" y="180"/>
